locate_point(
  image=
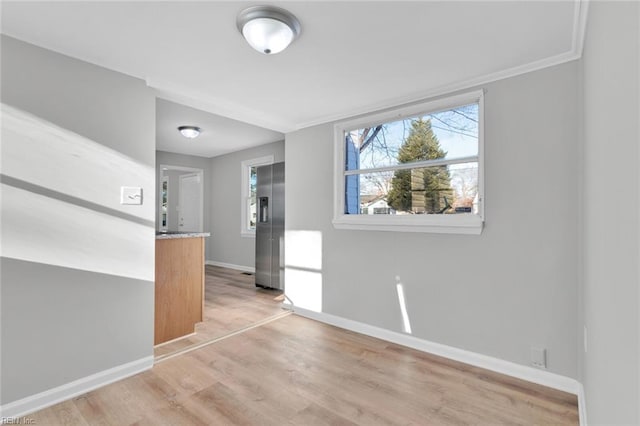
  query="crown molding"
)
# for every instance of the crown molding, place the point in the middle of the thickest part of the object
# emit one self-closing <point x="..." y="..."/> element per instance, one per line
<point x="578" y="34"/>
<point x="222" y="107"/>
<point x="239" y="112"/>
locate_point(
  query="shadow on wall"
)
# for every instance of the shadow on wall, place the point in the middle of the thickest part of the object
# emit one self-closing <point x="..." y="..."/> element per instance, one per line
<point x="61" y="201"/>
<point x="303" y="269"/>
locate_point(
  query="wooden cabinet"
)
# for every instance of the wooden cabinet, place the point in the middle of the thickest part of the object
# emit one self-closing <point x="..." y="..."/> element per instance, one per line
<point x="179" y="297"/>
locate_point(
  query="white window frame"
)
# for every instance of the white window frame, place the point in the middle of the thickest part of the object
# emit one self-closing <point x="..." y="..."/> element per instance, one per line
<point x="450" y="223"/>
<point x="245" y="170"/>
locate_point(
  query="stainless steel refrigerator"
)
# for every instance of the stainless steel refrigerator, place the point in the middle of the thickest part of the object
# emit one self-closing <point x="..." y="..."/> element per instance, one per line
<point x="270" y="226"/>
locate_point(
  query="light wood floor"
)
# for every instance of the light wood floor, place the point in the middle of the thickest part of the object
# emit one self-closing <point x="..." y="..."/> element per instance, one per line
<point x="232" y="303"/>
<point x="297" y="371"/>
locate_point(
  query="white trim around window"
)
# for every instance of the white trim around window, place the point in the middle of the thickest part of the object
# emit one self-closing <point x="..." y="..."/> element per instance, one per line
<point x="245" y="200"/>
<point x="442" y="223"/>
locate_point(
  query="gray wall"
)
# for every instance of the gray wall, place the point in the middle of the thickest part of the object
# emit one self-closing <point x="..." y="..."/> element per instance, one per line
<point x="513" y="287"/>
<point x="173" y="159"/>
<point x="226" y="244"/>
<point x="611" y="366"/>
<point x="78" y="267"/>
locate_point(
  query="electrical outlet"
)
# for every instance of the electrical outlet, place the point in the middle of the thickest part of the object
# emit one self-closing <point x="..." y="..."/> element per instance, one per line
<point x="539" y="357"/>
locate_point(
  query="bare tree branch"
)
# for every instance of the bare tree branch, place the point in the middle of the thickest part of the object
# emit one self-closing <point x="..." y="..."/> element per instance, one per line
<point x="450" y="127"/>
<point x="455" y="111"/>
<point x="368" y="140"/>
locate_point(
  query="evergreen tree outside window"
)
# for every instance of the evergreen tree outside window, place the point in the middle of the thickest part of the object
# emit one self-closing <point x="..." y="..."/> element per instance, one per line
<point x="422" y="166"/>
<point x="421" y="190"/>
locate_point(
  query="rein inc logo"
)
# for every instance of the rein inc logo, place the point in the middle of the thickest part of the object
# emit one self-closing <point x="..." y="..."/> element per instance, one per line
<point x="17" y="421"/>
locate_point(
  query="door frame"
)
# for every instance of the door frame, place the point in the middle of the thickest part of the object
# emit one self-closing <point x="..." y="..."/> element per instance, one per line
<point x="167" y="167"/>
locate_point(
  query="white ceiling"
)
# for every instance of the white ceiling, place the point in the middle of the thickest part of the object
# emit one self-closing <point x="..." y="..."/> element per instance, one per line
<point x="351" y="58"/>
<point x="220" y="135"/>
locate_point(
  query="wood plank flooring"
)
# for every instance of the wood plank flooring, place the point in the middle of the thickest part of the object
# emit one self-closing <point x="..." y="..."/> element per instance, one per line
<point x="232" y="302"/>
<point x="295" y="371"/>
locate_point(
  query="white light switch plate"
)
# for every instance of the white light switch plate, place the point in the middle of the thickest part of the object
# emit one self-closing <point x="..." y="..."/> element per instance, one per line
<point x="130" y="195"/>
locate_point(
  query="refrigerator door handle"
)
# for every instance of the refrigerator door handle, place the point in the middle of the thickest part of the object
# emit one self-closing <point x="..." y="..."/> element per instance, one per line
<point x="264" y="210"/>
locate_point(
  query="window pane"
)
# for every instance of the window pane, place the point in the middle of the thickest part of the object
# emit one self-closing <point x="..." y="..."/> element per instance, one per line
<point x="449" y="189"/>
<point x="447" y="134"/>
<point x="165" y="189"/>
<point x="252" y="214"/>
<point x="253" y="178"/>
<point x="164" y="193"/>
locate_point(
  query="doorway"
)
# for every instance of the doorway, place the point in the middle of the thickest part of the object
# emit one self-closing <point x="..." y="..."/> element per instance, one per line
<point x="181" y="199"/>
<point x="232" y="302"/>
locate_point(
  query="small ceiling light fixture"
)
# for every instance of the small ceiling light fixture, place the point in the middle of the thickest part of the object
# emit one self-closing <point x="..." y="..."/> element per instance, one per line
<point x="190" y="132"/>
<point x="268" y="29"/>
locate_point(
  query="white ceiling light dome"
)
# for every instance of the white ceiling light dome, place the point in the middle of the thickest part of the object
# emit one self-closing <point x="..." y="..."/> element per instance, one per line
<point x="268" y="29"/>
<point x="190" y="132"/>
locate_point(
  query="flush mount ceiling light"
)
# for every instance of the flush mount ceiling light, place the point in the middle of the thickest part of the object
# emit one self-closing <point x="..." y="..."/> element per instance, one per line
<point x="189" y="131"/>
<point x="268" y="29"/>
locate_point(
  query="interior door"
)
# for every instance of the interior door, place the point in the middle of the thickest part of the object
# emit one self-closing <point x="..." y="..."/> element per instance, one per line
<point x="190" y="203"/>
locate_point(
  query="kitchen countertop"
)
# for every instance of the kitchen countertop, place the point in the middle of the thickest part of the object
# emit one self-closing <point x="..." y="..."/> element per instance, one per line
<point x="169" y="235"/>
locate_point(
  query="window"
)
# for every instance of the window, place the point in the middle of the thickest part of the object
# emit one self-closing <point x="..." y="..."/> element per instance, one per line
<point x="249" y="180"/>
<point x="253" y="177"/>
<point x="415" y="168"/>
<point x="164" y="197"/>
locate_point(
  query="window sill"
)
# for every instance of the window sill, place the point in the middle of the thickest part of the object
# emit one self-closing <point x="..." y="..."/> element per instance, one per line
<point x="248" y="234"/>
<point x="469" y="224"/>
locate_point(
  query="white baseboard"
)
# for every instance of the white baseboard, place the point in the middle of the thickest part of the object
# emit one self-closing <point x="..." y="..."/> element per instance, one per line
<point x="231" y="266"/>
<point x="508" y="368"/>
<point x="582" y="406"/>
<point x="70" y="390"/>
